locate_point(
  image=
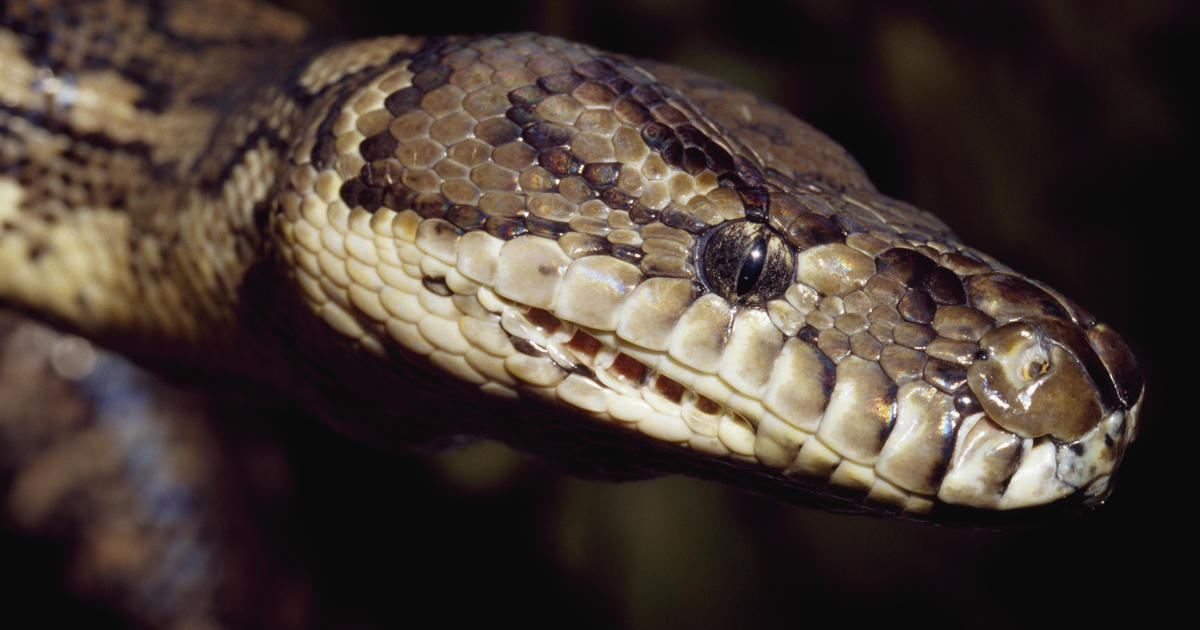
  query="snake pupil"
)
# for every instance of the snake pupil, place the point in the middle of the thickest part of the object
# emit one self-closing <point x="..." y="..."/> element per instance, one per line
<point x="752" y="266"/>
<point x="746" y="262"/>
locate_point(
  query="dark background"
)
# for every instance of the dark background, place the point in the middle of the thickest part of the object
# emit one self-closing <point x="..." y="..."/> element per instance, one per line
<point x="1057" y="137"/>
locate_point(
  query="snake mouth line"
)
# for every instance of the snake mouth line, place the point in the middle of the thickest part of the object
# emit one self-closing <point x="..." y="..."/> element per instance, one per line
<point x="648" y="392"/>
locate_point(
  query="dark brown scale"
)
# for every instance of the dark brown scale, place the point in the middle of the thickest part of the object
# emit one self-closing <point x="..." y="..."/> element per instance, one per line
<point x="560" y="162"/>
<point x="593" y="69"/>
<point x="526" y="95"/>
<point x="522" y="115"/>
<point x="627" y="253"/>
<point x="916" y="306"/>
<point x="706" y="405"/>
<point x="616" y="199"/>
<point x="647" y="94"/>
<point x="748" y="172"/>
<point x="809" y="230"/>
<point x="683" y="221"/>
<point x="403" y="101"/>
<point x="590" y="93"/>
<point x="756" y="201"/>
<point x="642" y="215"/>
<point x="584" y="344"/>
<point x="350" y="191"/>
<point x="628" y="368"/>
<point x="631" y="112"/>
<point x="903" y="265"/>
<point x="694" y="160"/>
<point x="664" y="113"/>
<point x="505" y="227"/>
<point x="527" y="347"/>
<point x="657" y="136"/>
<point x="545" y="135"/>
<point x="423" y="59"/>
<point x="466" y="217"/>
<point x="669" y="389"/>
<point x="601" y="174"/>
<point x="432" y="77"/>
<point x="621" y="86"/>
<point x="1006" y="297"/>
<point x="378" y="147"/>
<point x="692" y="136"/>
<point x="543" y="319"/>
<point x="719" y="159"/>
<point x="944" y="286"/>
<point x="497" y="131"/>
<point x="808" y="334"/>
<point x="398" y="197"/>
<point x="560" y="82"/>
<point x="541" y="227"/>
<point x="944" y="375"/>
<point x="673" y="153"/>
<point x="371" y="198"/>
<point x="430" y="205"/>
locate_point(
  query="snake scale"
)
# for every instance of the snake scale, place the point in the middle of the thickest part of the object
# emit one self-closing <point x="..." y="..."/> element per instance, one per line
<point x="627" y="267"/>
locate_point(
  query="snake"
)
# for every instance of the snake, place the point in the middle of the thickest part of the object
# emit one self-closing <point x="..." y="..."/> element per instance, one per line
<point x="626" y="267"/>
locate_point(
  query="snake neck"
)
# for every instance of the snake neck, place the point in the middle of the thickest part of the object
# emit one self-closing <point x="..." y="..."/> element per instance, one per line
<point x="138" y="160"/>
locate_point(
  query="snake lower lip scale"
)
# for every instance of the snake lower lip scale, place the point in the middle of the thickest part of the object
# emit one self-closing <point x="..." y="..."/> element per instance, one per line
<point x="680" y="270"/>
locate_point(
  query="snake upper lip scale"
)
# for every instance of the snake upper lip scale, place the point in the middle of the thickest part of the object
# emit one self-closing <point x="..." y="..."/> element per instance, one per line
<point x="647" y="269"/>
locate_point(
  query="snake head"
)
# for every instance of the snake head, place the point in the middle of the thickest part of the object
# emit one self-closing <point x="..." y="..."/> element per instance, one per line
<point x="1049" y="380"/>
<point x="618" y="241"/>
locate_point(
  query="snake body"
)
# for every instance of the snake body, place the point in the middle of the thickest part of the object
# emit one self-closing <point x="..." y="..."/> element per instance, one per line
<point x="622" y="265"/>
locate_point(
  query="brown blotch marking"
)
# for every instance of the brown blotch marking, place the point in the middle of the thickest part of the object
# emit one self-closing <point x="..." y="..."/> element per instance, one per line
<point x="683" y="221"/>
<point x="465" y="217"/>
<point x="522" y="115"/>
<point x="546" y="135"/>
<point x="601" y="174"/>
<point x="543" y="320"/>
<point x="526" y="95"/>
<point x="628" y="368"/>
<point x="402" y="101"/>
<point x="630" y="112"/>
<point x="378" y="147"/>
<point x="560" y="162"/>
<point x="904" y="265"/>
<point x="917" y="306"/>
<point x="505" y="227"/>
<point x="707" y="405"/>
<point x="669" y="389"/>
<point x="543" y="227"/>
<point x="561" y="82"/>
<point x="584" y="344"/>
<point x="432" y="77"/>
<point x="944" y="287"/>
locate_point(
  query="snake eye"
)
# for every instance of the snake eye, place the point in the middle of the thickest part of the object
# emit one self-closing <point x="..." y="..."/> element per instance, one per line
<point x="746" y="262"/>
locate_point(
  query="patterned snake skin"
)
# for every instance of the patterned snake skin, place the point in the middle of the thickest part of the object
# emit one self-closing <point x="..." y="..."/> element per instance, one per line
<point x="624" y="266"/>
